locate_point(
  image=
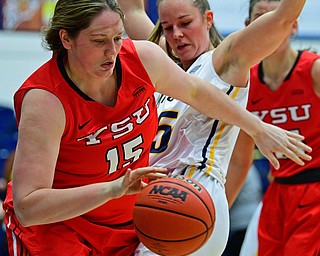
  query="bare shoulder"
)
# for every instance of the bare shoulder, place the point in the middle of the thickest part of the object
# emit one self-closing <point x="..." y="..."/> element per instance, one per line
<point x="148" y="49"/>
<point x="154" y="59"/>
<point x="42" y="108"/>
<point x="316" y="76"/>
<point x="38" y="98"/>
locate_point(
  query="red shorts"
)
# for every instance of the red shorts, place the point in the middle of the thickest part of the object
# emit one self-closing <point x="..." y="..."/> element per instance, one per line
<point x="76" y="237"/>
<point x="290" y="220"/>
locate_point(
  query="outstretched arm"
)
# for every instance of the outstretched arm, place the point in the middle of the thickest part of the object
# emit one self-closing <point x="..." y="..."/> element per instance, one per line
<point x="137" y="23"/>
<point x="171" y="80"/>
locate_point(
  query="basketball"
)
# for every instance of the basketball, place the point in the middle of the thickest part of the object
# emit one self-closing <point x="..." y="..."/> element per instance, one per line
<point x="174" y="215"/>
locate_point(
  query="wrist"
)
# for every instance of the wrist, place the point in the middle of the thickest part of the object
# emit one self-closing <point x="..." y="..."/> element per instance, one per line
<point x="255" y="128"/>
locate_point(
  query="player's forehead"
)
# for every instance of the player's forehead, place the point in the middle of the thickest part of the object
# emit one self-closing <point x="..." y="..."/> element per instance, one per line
<point x="106" y="23"/>
<point x="263" y="6"/>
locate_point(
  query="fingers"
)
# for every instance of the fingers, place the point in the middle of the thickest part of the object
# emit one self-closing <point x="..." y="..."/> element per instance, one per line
<point x="295" y="156"/>
<point x="288" y="144"/>
<point x="296" y="151"/>
<point x="300" y="151"/>
<point x="151" y="169"/>
<point x="294" y="135"/>
<point x="151" y="172"/>
<point x="146" y="172"/>
<point x="132" y="181"/>
<point x="300" y="145"/>
<point x="155" y="175"/>
<point x="273" y="160"/>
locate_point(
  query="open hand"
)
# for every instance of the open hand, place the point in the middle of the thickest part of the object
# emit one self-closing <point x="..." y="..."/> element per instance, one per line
<point x="273" y="139"/>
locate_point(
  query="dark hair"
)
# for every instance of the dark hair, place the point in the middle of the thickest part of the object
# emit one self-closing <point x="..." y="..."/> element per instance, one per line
<point x="203" y="6"/>
<point x="74" y="16"/>
<point x="252" y="3"/>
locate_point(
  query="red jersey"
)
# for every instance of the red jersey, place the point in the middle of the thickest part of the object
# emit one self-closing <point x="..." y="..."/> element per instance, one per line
<point x="293" y="106"/>
<point x="99" y="143"/>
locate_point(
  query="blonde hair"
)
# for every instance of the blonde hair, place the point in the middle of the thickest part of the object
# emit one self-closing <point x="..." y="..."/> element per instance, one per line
<point x="202" y="6"/>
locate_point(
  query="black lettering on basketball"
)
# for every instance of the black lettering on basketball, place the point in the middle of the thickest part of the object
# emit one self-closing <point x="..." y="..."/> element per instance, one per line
<point x="169" y="191"/>
<point x="187" y="180"/>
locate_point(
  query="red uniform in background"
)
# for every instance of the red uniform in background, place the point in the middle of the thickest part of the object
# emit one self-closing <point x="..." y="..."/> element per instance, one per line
<point x="117" y="138"/>
<point x="295" y="192"/>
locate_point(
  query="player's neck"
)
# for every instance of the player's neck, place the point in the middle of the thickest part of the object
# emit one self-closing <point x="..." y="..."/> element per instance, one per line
<point x="277" y="66"/>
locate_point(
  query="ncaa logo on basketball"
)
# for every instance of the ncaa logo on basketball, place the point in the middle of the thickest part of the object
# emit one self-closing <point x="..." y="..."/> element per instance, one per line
<point x="169" y="191"/>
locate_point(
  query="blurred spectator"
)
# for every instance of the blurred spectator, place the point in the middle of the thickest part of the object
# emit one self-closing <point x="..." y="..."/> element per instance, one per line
<point x="28" y="15"/>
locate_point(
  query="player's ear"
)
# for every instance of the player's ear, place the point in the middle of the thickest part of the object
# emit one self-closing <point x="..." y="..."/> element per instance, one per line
<point x="209" y="18"/>
<point x="294" y="29"/>
<point x="65" y="39"/>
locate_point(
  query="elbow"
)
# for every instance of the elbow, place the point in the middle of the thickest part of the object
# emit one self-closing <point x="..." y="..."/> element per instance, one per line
<point x="22" y="218"/>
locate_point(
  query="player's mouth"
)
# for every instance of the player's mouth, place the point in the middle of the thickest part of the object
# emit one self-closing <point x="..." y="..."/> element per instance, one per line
<point x="182" y="47"/>
<point x="108" y="65"/>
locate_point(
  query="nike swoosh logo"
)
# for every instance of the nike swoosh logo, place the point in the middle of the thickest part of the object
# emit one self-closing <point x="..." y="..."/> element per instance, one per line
<point x="80" y="127"/>
<point x="256" y="101"/>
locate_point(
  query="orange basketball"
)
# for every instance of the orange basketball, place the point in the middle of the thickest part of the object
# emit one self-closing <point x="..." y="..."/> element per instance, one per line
<point x="174" y="216"/>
